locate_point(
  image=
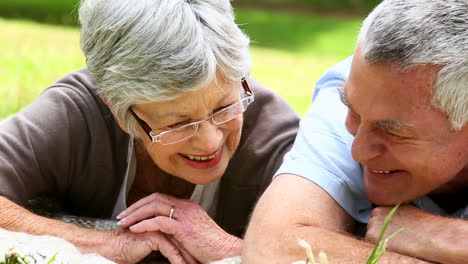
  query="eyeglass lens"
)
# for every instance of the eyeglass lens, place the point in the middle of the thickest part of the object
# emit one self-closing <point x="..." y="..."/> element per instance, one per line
<point x="223" y="116"/>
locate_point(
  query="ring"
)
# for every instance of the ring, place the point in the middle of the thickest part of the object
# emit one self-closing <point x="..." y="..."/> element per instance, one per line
<point x="171" y="212"/>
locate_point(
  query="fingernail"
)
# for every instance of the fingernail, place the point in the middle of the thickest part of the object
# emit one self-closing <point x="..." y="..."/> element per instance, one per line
<point x="120" y="215"/>
<point x="122" y="222"/>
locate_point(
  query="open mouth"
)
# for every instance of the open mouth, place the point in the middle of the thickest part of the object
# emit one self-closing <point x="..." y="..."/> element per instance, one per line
<point x="204" y="158"/>
<point x="384" y="171"/>
<point x="202" y="162"/>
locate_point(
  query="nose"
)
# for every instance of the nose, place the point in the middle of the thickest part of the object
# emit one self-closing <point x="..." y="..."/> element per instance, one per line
<point x="366" y="144"/>
<point x="208" y="137"/>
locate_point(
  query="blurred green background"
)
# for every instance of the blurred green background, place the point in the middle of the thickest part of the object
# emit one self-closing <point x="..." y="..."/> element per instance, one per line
<point x="294" y="42"/>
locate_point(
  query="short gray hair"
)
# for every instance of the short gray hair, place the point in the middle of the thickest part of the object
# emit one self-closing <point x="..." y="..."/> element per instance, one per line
<point x="424" y="32"/>
<point x="142" y="51"/>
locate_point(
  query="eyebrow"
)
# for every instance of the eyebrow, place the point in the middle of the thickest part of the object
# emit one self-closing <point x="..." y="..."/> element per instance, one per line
<point x="344" y="98"/>
<point x="387" y="125"/>
<point x="390" y="125"/>
<point x="186" y="114"/>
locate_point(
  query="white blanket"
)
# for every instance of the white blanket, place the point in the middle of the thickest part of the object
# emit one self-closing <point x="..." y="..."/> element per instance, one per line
<point x="43" y="250"/>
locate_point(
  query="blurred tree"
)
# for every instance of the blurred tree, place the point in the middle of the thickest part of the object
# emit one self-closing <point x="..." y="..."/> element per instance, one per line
<point x="318" y="5"/>
<point x="64" y="11"/>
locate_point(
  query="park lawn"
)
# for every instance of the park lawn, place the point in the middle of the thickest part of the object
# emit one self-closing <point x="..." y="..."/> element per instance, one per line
<point x="289" y="53"/>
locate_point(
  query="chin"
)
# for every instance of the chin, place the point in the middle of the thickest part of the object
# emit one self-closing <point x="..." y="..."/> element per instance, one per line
<point x="380" y="199"/>
<point x="205" y="177"/>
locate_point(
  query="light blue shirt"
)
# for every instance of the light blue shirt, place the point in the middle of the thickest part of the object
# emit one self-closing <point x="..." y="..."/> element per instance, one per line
<point x="322" y="150"/>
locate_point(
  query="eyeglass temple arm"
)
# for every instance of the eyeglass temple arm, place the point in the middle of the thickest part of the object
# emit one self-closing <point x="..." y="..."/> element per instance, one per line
<point x="142" y="123"/>
<point x="246" y="87"/>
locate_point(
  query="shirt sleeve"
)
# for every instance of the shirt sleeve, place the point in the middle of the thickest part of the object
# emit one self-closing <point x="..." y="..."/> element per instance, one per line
<point x="322" y="149"/>
<point x="42" y="145"/>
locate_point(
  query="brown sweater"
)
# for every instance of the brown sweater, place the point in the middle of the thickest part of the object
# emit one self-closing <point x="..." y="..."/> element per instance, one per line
<point x="68" y="143"/>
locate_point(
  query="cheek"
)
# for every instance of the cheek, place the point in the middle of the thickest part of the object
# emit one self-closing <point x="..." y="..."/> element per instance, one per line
<point x="163" y="155"/>
<point x="234" y="133"/>
<point x="428" y="166"/>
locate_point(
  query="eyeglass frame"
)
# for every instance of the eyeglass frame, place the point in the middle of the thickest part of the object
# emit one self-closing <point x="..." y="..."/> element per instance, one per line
<point x="155" y="138"/>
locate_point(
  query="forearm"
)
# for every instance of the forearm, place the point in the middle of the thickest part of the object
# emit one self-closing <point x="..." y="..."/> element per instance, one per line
<point x="294" y="209"/>
<point x="449" y="244"/>
<point x="281" y="246"/>
<point x="16" y="218"/>
<point x="343" y="248"/>
<point x="234" y="247"/>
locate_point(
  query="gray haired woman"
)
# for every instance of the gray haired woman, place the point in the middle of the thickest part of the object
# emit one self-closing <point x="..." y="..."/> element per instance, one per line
<point x="161" y="130"/>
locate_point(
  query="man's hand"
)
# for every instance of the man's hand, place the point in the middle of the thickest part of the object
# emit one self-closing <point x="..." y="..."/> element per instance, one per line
<point x="425" y="236"/>
<point x="190" y="227"/>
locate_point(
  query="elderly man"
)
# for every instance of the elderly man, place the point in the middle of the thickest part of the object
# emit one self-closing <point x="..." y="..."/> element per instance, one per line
<point x="404" y="101"/>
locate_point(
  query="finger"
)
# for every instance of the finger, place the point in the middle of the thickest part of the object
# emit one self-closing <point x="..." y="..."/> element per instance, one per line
<point x="161" y="223"/>
<point x="144" y="201"/>
<point x="380" y="211"/>
<point x="187" y="256"/>
<point x="373" y="230"/>
<point x="170" y="251"/>
<point x="152" y="209"/>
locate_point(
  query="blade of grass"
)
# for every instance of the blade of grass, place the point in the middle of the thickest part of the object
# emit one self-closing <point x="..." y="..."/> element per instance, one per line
<point x="381" y="245"/>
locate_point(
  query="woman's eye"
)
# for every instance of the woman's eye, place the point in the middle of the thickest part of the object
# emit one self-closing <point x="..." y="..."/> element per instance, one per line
<point x="178" y="124"/>
<point x="221" y="108"/>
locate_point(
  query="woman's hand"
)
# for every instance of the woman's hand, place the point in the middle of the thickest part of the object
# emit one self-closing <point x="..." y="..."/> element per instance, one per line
<point x="125" y="247"/>
<point x="191" y="228"/>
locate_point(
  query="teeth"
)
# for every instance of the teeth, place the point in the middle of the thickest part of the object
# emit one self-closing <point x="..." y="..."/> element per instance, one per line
<point x="201" y="158"/>
<point x="382" y="172"/>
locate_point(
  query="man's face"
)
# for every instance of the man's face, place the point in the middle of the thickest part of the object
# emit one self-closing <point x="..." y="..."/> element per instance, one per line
<point x="406" y="146"/>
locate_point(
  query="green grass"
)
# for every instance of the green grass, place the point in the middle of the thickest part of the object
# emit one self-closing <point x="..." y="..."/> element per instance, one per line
<point x="64" y="11"/>
<point x="289" y="53"/>
<point x="33" y="56"/>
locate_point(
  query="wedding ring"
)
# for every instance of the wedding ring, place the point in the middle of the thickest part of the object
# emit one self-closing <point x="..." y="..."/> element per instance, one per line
<point x="171" y="212"/>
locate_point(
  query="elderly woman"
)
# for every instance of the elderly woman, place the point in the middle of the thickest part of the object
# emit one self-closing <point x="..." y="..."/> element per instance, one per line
<point x="163" y="118"/>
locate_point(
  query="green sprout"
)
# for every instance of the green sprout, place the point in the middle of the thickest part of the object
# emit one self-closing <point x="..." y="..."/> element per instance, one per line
<point x="381" y="244"/>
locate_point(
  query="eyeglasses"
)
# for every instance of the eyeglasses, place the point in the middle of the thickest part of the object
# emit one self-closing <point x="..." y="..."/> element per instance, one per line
<point x="184" y="132"/>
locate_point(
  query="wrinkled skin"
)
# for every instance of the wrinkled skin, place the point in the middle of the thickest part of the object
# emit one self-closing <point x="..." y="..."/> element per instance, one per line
<point x="408" y="149"/>
<point x="132" y="247"/>
<point x="425" y="236"/>
<point x="192" y="231"/>
<point x="191" y="227"/>
<point x="397" y="129"/>
<point x="419" y="228"/>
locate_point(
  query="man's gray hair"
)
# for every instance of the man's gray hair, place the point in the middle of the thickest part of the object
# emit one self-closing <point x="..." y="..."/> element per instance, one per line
<point x="424" y="32"/>
<point x="142" y="51"/>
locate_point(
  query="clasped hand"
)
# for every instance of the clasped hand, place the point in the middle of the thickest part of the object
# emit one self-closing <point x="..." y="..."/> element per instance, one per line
<point x="420" y="229"/>
<point x="197" y="238"/>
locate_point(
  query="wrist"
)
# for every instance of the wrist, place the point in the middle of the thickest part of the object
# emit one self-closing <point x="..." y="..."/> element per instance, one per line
<point x="89" y="241"/>
<point x="232" y="247"/>
<point x="102" y="243"/>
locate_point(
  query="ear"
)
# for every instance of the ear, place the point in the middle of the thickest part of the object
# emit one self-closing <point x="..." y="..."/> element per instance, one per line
<point x="119" y="121"/>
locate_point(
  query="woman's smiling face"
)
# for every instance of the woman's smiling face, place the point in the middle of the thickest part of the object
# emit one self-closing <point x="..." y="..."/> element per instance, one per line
<point x="204" y="157"/>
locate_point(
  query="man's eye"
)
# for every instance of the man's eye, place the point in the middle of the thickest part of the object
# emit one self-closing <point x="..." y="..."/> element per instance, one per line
<point x="396" y="136"/>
